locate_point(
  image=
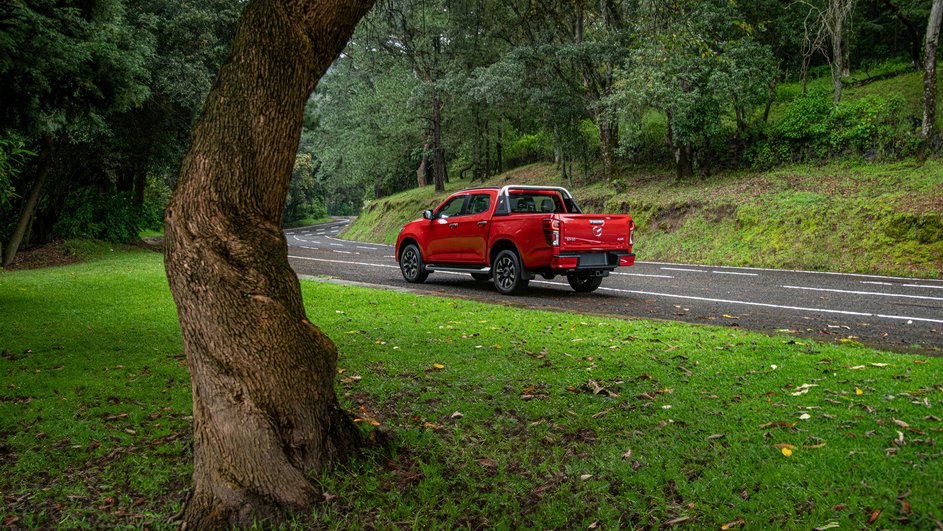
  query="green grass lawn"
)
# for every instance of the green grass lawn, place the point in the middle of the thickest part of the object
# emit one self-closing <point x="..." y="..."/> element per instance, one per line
<point x="501" y="417"/>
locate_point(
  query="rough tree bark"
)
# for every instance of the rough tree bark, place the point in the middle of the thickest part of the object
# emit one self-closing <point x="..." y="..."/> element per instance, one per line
<point x="422" y="171"/>
<point x="929" y="71"/>
<point x="438" y="151"/>
<point x="265" y="415"/>
<point x="29" y="206"/>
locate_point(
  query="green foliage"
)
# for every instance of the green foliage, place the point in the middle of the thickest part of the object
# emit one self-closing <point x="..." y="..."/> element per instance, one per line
<point x="526" y="148"/>
<point x="303" y="201"/>
<point x="812" y="127"/>
<point x="109" y="216"/>
<point x="13" y="156"/>
<point x="156" y="199"/>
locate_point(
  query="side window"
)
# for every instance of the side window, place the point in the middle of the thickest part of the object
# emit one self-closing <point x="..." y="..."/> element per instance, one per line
<point x="479" y="204"/>
<point x="452" y="207"/>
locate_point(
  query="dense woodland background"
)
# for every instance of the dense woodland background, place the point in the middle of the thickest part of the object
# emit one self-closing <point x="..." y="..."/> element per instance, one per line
<point x="98" y="97"/>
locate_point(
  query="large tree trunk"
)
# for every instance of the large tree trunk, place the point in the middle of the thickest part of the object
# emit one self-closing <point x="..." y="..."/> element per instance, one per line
<point x="265" y="415"/>
<point x="438" y="152"/>
<point x="929" y="71"/>
<point x="422" y="172"/>
<point x="838" y="56"/>
<point x="608" y="141"/>
<point x="29" y="206"/>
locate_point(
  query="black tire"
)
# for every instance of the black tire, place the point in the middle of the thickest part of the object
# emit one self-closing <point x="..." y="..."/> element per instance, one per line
<point x="412" y="266"/>
<point x="583" y="284"/>
<point x="481" y="277"/>
<point x="508" y="273"/>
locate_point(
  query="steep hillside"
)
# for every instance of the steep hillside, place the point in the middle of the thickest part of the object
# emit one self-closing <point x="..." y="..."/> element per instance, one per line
<point x="860" y="217"/>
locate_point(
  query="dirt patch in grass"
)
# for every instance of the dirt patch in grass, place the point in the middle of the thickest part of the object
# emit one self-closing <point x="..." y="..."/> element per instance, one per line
<point x="671" y="217"/>
<point x="49" y="255"/>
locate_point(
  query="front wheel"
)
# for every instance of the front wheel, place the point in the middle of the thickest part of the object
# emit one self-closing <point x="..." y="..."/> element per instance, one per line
<point x="412" y="266"/>
<point x="508" y="273"/>
<point x="583" y="284"/>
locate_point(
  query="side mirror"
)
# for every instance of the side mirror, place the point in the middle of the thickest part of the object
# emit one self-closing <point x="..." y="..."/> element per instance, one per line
<point x="427" y="214"/>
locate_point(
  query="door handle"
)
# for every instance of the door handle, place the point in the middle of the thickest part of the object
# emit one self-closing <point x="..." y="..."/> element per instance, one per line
<point x="453" y="225"/>
<point x="482" y="223"/>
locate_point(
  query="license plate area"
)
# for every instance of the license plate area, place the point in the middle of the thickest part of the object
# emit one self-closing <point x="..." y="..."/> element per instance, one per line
<point x="594" y="260"/>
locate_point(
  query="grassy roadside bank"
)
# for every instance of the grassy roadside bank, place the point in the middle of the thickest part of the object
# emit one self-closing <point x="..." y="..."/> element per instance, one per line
<point x="884" y="218"/>
<point x="502" y="417"/>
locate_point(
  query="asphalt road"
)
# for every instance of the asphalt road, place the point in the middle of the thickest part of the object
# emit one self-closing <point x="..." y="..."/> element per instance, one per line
<point x="893" y="313"/>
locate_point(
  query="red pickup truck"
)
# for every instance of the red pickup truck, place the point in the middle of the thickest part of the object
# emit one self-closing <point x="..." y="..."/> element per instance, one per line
<point x="513" y="233"/>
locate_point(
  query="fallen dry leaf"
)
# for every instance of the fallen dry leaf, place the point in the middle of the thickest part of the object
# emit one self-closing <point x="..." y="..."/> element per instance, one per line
<point x="486" y="462"/>
<point x="787" y="452"/>
<point x="584" y="477"/>
<point x="839" y="507"/>
<point x="901" y="423"/>
<point x="733" y="524"/>
<point x="904" y="506"/>
<point x="627" y="454"/>
<point x="784" y="445"/>
<point x="777" y="423"/>
<point x="715" y="437"/>
<point x="874" y="516"/>
<point x="678" y="520"/>
<point x="438" y="366"/>
<point x="858" y="391"/>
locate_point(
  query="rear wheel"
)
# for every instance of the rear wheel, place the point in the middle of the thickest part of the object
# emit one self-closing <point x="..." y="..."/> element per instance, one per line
<point x="508" y="273"/>
<point x="412" y="266"/>
<point x="481" y="277"/>
<point x="583" y="283"/>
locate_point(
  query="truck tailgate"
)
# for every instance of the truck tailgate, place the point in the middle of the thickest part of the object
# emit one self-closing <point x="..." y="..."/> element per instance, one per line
<point x="592" y="232"/>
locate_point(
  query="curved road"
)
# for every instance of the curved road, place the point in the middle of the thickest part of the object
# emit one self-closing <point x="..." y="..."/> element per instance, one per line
<point x="892" y="313"/>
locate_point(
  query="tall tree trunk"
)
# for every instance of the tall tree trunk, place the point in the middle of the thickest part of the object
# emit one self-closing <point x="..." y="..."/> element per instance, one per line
<point x="29" y="206"/>
<point x="499" y="147"/>
<point x="838" y="56"/>
<point x="422" y="172"/>
<point x="608" y="132"/>
<point x="929" y="71"/>
<point x="265" y="415"/>
<point x="438" y="152"/>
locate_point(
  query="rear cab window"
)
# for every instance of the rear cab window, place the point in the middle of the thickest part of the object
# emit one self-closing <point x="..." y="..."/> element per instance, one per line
<point x="536" y="203"/>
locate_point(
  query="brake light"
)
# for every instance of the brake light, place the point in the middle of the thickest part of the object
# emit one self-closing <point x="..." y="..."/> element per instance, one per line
<point x="631" y="232"/>
<point x="552" y="232"/>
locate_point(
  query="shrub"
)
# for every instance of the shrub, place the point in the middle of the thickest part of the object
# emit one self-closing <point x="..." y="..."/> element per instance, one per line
<point x="90" y="213"/>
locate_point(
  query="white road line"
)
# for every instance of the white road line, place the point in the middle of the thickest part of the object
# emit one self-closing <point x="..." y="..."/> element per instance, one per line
<point x="336" y="244"/>
<point x="682" y="269"/>
<point x="866" y="293"/>
<point x="389" y="256"/>
<point x="920" y="286"/>
<point x="365" y="247"/>
<point x="859" y="275"/>
<point x="344" y="252"/>
<point x="736" y="273"/>
<point x="902" y="285"/>
<point x="636" y="274"/>
<point x="342" y="262"/>
<point x="669" y="295"/>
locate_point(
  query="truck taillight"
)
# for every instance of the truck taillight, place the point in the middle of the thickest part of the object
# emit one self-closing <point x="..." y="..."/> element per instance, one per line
<point x="631" y="232"/>
<point x="552" y="232"/>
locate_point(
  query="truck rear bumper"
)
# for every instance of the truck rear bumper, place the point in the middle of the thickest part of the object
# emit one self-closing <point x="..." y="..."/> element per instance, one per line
<point x="592" y="260"/>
